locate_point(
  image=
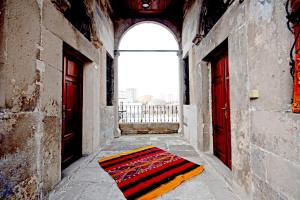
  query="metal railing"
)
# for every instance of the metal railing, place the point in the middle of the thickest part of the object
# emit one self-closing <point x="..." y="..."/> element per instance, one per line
<point x="148" y="113"/>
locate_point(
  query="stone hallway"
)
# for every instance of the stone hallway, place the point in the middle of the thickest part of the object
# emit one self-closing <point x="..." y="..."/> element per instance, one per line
<point x="86" y="180"/>
<point x="238" y="96"/>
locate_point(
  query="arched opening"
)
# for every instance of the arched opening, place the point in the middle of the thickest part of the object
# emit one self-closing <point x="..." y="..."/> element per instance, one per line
<point x="148" y="76"/>
<point x="163" y="29"/>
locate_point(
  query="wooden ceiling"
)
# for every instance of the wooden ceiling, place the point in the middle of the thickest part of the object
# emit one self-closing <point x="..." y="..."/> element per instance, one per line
<point x="171" y="9"/>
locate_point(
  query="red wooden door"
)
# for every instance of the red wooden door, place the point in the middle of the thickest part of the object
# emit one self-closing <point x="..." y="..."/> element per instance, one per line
<point x="221" y="108"/>
<point x="72" y="111"/>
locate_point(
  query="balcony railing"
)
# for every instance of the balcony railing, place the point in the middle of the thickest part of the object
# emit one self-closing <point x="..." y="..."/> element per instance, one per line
<point x="148" y="113"/>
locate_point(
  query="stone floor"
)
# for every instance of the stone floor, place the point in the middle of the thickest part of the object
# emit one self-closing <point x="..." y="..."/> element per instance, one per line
<point x="85" y="180"/>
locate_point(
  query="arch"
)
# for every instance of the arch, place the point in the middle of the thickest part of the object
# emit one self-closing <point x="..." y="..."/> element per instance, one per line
<point x="123" y="26"/>
<point x="161" y="26"/>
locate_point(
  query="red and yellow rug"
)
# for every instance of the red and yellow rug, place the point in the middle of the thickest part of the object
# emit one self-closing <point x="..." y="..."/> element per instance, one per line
<point x="148" y="172"/>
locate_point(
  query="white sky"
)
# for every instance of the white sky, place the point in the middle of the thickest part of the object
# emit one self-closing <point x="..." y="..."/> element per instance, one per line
<point x="152" y="73"/>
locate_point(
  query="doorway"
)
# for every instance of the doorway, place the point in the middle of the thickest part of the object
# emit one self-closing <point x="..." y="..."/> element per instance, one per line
<point x="221" y="107"/>
<point x="71" y="110"/>
<point x="149" y="80"/>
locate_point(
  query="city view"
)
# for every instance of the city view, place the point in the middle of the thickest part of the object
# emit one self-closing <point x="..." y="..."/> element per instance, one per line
<point x="148" y="79"/>
<point x="130" y="96"/>
<point x="147" y="108"/>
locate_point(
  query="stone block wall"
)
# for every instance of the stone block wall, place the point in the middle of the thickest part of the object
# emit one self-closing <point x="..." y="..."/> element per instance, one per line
<point x="264" y="133"/>
<point x="190" y="124"/>
<point x="275" y="131"/>
<point x="32" y="38"/>
<point x="148" y="128"/>
<point x="21" y="117"/>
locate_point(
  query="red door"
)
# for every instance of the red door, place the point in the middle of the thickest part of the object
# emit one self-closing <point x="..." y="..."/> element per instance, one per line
<point x="221" y="108"/>
<point x="72" y="111"/>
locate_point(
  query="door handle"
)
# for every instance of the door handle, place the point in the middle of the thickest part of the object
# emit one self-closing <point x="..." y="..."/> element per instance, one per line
<point x="225" y="107"/>
<point x="225" y="111"/>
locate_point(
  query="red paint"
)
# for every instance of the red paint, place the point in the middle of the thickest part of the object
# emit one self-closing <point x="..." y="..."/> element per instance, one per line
<point x="295" y="5"/>
<point x="72" y="110"/>
<point x="221" y="108"/>
<point x="296" y="97"/>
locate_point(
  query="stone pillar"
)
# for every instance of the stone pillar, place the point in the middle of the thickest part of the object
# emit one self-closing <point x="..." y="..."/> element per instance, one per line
<point x="117" y="132"/>
<point x="180" y="68"/>
<point x="22" y="76"/>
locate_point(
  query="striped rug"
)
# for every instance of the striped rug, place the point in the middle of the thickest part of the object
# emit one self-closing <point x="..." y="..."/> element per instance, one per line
<point x="148" y="172"/>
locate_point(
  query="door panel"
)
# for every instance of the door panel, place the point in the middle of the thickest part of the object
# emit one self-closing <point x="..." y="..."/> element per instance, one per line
<point x="72" y="106"/>
<point x="221" y="108"/>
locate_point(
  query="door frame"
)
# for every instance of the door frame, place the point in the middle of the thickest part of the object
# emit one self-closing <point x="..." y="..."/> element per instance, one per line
<point x="69" y="52"/>
<point x="217" y="52"/>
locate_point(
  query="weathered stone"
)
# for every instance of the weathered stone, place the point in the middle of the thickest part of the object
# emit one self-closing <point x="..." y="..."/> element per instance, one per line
<point x="258" y="45"/>
<point x="190" y="125"/>
<point x="283" y="175"/>
<point x="51" y="152"/>
<point x="108" y="124"/>
<point x="16" y="129"/>
<point x="190" y="25"/>
<point x="21" y="92"/>
<point x="268" y="32"/>
<point x="51" y="94"/>
<point x="91" y="116"/>
<point x="56" y="23"/>
<point x="51" y="50"/>
<point x="32" y="37"/>
<point x="258" y="163"/>
<point x="264" y="134"/>
<point x="106" y="32"/>
<point x="107" y="113"/>
<point x="262" y="191"/>
<point x="3" y="27"/>
<point x="276" y="132"/>
<point x="149" y="128"/>
<point x="18" y="154"/>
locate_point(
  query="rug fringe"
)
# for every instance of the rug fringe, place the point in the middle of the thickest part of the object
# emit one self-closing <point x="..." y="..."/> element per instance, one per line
<point x="172" y="184"/>
<point x="126" y="153"/>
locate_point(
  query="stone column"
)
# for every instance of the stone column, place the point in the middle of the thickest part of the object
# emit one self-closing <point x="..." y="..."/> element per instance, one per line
<point x="117" y="131"/>
<point x="180" y="68"/>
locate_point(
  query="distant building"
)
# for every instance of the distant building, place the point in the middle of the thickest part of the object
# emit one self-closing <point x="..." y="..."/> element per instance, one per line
<point x="131" y="95"/>
<point x="169" y="98"/>
<point x="128" y="95"/>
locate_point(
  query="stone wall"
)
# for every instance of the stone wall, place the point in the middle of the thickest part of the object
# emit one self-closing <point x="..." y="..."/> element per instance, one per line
<point x="275" y="138"/>
<point x="32" y="38"/>
<point x="107" y="113"/>
<point x="191" y="23"/>
<point x="190" y="124"/>
<point x="264" y="133"/>
<point x="123" y="25"/>
<point x="148" y="128"/>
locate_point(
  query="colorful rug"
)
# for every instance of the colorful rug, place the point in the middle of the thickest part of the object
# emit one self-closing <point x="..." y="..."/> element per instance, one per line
<point x="148" y="172"/>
